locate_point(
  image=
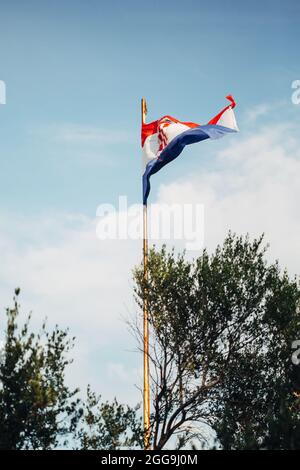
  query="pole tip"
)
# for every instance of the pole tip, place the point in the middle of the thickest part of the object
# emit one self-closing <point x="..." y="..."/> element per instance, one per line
<point x="144" y="106"/>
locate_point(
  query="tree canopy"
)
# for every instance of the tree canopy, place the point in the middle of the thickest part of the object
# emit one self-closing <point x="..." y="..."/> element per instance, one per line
<point x="222" y="328"/>
<point x="37" y="409"/>
<point x="224" y="369"/>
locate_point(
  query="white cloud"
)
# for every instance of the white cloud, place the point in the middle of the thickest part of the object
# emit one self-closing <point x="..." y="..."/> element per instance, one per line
<point x="262" y="110"/>
<point x="120" y="372"/>
<point x="253" y="188"/>
<point x="77" y="133"/>
<point x="68" y="275"/>
<point x="257" y="111"/>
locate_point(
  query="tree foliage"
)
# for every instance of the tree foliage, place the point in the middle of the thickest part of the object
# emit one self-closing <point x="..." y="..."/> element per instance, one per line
<point x="39" y="411"/>
<point x="222" y="327"/>
<point x="37" y="408"/>
<point x="109" y="426"/>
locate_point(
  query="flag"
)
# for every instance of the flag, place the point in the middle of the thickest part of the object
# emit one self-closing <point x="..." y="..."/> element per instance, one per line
<point x="163" y="140"/>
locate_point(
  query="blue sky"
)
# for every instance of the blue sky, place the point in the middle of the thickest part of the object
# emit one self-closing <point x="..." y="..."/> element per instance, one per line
<point x="88" y="64"/>
<point x="69" y="140"/>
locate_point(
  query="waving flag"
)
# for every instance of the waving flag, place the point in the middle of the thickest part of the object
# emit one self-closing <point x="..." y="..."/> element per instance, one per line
<point x="163" y="140"/>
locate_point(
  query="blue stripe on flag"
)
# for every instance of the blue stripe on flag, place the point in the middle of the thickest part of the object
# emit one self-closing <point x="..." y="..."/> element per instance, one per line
<point x="175" y="147"/>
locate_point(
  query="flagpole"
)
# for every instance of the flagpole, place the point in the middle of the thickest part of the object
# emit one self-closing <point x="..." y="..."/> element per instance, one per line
<point x="146" y="392"/>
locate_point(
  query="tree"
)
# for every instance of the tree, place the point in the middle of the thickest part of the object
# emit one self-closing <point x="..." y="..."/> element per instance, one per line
<point x="222" y="326"/>
<point x="109" y="426"/>
<point x="37" y="409"/>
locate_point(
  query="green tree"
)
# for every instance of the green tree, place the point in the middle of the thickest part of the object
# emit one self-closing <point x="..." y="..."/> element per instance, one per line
<point x="109" y="426"/>
<point x="37" y="409"/>
<point x="222" y="328"/>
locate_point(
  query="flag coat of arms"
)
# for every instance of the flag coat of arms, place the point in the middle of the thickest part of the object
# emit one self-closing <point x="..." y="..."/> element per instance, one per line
<point x="163" y="140"/>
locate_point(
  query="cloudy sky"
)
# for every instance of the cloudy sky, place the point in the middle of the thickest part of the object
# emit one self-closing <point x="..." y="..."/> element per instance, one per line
<point x="69" y="141"/>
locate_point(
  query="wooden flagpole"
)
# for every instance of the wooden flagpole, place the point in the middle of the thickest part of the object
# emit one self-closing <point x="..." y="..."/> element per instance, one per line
<point x="146" y="394"/>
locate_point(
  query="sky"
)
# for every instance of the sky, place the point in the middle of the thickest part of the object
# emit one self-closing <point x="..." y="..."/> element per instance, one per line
<point x="69" y="141"/>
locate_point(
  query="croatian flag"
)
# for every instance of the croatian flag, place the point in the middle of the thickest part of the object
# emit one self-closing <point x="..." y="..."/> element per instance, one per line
<point x="163" y="140"/>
